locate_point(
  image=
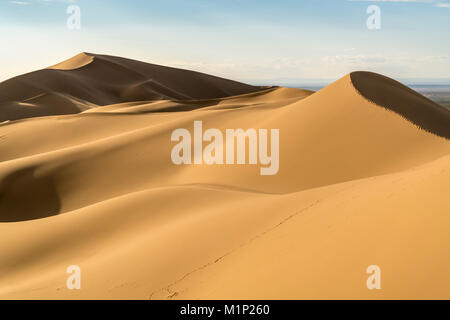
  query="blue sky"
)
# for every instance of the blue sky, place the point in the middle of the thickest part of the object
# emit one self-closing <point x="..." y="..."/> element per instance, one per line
<point x="247" y="40"/>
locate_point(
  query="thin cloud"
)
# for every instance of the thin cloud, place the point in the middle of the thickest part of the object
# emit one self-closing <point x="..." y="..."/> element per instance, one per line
<point x="22" y="3"/>
<point x="415" y="1"/>
<point x="442" y="5"/>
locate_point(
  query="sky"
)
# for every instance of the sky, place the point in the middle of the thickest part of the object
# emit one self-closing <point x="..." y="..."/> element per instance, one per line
<point x="255" y="41"/>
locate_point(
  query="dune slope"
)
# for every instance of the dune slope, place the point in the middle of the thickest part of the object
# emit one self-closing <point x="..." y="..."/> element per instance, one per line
<point x="362" y="181"/>
<point x="89" y="80"/>
<point x="399" y="98"/>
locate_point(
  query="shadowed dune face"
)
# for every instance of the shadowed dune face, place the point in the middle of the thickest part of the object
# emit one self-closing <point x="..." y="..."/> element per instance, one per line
<point x="364" y="170"/>
<point x="25" y="196"/>
<point x="98" y="80"/>
<point x="397" y="97"/>
<point x="45" y="104"/>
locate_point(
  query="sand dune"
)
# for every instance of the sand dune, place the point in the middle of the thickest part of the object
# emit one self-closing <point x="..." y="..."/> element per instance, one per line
<point x="363" y="178"/>
<point x="98" y="80"/>
<point x="393" y="95"/>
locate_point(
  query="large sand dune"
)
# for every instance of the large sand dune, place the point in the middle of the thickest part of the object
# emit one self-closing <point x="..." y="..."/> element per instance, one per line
<point x="363" y="180"/>
<point x="89" y="80"/>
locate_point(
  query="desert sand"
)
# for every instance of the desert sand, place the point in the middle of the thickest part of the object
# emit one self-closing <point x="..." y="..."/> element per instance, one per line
<point x="86" y="179"/>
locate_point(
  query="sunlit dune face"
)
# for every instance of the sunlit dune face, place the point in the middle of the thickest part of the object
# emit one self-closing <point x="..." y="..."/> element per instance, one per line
<point x="79" y="61"/>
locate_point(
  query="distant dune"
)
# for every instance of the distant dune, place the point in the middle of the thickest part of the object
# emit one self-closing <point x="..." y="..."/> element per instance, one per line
<point x="363" y="180"/>
<point x="88" y="80"/>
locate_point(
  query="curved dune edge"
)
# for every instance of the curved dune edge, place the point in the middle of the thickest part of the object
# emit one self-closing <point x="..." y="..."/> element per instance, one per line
<point x="76" y="62"/>
<point x="320" y="114"/>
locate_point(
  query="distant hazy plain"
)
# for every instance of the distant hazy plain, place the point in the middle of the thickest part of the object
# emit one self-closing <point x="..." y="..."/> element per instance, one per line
<point x="438" y="93"/>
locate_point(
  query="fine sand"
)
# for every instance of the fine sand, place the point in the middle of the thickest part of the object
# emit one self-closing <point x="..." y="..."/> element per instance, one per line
<point x="86" y="179"/>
